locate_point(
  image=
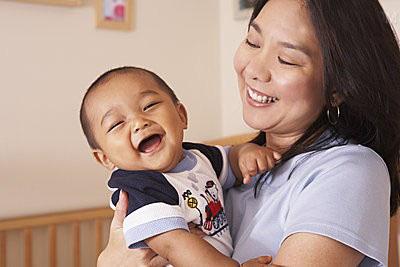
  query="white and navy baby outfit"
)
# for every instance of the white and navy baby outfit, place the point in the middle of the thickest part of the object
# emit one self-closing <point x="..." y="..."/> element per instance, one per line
<point x="191" y="192"/>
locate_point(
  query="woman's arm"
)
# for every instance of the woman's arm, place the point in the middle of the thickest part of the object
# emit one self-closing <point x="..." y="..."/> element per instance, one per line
<point x="393" y="242"/>
<point x="306" y="249"/>
<point x="340" y="214"/>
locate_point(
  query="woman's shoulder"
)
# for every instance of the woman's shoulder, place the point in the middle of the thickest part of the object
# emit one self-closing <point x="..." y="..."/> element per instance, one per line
<point x="358" y="162"/>
<point x="343" y="193"/>
<point x="351" y="153"/>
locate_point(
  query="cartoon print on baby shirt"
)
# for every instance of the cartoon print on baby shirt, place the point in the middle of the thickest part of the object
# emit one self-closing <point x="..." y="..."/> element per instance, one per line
<point x="192" y="203"/>
<point x="215" y="218"/>
<point x="214" y="210"/>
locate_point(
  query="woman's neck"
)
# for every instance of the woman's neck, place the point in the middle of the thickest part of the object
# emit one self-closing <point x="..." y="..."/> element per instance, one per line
<point x="281" y="142"/>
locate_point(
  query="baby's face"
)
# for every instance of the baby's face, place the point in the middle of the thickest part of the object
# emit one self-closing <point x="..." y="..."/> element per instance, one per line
<point x="136" y="124"/>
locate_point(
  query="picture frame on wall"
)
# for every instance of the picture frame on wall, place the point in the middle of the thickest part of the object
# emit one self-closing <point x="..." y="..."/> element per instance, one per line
<point x="114" y="14"/>
<point x="243" y="9"/>
<point x="54" y="2"/>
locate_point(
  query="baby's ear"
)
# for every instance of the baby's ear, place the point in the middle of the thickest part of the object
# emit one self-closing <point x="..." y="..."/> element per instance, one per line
<point x="103" y="159"/>
<point x="182" y="114"/>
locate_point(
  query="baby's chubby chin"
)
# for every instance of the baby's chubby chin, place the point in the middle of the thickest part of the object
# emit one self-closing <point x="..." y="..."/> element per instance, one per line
<point x="166" y="163"/>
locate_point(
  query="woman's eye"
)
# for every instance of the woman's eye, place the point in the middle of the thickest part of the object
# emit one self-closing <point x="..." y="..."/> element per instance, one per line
<point x="286" y="62"/>
<point x="115" y="125"/>
<point x="253" y="45"/>
<point x="150" y="105"/>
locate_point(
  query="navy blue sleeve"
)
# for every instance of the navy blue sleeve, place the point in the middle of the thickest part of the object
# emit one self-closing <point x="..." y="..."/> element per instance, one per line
<point x="143" y="188"/>
<point x="212" y="153"/>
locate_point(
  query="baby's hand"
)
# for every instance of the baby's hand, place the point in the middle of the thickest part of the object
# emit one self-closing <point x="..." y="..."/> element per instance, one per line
<point x="254" y="159"/>
<point x="260" y="261"/>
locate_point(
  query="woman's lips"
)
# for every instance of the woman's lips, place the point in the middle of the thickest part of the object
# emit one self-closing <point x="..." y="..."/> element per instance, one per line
<point x="259" y="99"/>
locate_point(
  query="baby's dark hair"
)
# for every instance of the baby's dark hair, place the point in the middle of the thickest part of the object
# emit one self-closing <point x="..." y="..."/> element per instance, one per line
<point x="104" y="78"/>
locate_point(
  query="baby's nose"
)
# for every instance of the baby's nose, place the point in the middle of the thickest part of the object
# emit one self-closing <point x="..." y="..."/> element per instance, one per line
<point x="140" y="126"/>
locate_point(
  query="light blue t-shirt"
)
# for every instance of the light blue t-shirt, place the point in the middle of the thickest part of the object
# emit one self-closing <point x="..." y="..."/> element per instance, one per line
<point x="342" y="193"/>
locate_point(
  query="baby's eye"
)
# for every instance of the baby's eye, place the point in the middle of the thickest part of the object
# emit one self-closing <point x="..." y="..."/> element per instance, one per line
<point x="152" y="104"/>
<point x="253" y="45"/>
<point x="115" y="125"/>
<point x="286" y="62"/>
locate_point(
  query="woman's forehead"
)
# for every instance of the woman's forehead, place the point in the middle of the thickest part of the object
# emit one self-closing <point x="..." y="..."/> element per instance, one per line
<point x="287" y="21"/>
<point x="287" y="14"/>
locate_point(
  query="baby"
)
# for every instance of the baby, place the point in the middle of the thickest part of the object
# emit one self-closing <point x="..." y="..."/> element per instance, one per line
<point x="134" y="124"/>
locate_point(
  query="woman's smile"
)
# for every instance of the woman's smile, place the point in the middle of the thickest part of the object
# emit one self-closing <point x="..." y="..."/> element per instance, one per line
<point x="257" y="98"/>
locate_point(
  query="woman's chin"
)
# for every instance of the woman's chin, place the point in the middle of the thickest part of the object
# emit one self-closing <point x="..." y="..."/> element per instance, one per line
<point x="255" y="123"/>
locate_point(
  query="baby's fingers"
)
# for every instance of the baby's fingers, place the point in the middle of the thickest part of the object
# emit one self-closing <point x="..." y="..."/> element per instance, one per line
<point x="246" y="179"/>
<point x="263" y="164"/>
<point x="248" y="168"/>
<point x="264" y="259"/>
<point x="271" y="161"/>
<point x="276" y="155"/>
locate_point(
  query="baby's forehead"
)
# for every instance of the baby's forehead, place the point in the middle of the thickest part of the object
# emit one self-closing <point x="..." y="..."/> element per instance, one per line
<point x="119" y="88"/>
<point x="138" y="75"/>
<point x="134" y="82"/>
<point x="123" y="84"/>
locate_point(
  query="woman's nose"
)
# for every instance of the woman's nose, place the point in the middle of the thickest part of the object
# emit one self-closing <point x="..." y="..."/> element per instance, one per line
<point x="258" y="68"/>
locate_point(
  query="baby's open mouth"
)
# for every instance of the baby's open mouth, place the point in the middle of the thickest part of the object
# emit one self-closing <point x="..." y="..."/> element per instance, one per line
<point x="150" y="143"/>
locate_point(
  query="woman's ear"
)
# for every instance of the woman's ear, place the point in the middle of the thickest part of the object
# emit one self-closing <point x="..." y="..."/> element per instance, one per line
<point x="182" y="114"/>
<point x="103" y="159"/>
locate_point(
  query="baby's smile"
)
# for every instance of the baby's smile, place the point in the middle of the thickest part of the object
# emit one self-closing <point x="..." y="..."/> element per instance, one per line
<point x="150" y="144"/>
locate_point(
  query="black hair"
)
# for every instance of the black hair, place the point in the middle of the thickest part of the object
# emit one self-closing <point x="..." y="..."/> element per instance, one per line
<point x="361" y="64"/>
<point x="104" y="78"/>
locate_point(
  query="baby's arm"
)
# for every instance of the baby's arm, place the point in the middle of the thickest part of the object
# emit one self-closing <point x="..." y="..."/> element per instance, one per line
<point x="181" y="248"/>
<point x="249" y="159"/>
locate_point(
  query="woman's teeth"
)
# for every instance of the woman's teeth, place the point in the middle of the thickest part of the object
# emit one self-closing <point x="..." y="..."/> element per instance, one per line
<point x="261" y="98"/>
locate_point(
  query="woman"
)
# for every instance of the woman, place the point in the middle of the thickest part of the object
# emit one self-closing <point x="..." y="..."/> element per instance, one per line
<point x="320" y="79"/>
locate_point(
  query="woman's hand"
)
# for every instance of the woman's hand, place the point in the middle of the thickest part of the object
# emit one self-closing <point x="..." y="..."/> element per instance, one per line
<point x="258" y="262"/>
<point x="116" y="253"/>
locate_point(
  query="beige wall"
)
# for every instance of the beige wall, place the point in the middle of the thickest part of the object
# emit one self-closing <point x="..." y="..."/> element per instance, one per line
<point x="232" y="32"/>
<point x="49" y="55"/>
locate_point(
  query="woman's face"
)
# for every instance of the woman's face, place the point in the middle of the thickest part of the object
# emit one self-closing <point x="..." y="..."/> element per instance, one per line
<point x="279" y="70"/>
